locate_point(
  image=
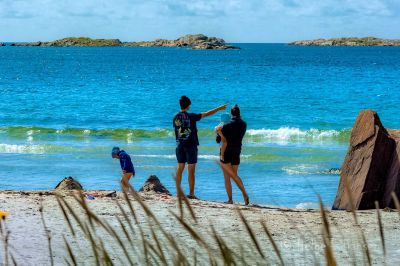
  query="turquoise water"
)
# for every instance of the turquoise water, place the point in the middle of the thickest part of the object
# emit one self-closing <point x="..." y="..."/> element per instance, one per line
<point x="63" y="109"/>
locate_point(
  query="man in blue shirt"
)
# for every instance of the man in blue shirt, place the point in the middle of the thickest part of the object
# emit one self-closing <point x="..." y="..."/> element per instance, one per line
<point x="126" y="165"/>
<point x="187" y="140"/>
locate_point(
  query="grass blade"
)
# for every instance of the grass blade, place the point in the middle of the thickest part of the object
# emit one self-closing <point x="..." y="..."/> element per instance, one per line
<point x="274" y="245"/>
<point x="251" y="234"/>
<point x="381" y="233"/>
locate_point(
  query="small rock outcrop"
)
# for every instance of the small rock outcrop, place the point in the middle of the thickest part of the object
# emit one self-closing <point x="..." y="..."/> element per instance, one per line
<point x="75" y="41"/>
<point x="333" y="171"/>
<point x="69" y="183"/>
<point x="153" y="185"/>
<point x="371" y="169"/>
<point x="366" y="41"/>
<point x="196" y="41"/>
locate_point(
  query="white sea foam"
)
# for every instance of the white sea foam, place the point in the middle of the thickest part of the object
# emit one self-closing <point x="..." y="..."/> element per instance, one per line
<point x="24" y="149"/>
<point x="287" y="134"/>
<point x="280" y="133"/>
<point x="301" y="169"/>
<point x="307" y="205"/>
<point x="209" y="157"/>
<point x="173" y="156"/>
<point x="165" y="156"/>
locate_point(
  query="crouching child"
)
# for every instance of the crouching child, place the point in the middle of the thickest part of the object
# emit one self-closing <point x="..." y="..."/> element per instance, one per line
<point x="127" y="167"/>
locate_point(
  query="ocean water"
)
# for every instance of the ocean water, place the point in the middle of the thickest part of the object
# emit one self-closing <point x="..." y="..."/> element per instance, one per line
<point x="63" y="109"/>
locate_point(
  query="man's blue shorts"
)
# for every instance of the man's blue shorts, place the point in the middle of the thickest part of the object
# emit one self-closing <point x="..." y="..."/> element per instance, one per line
<point x="186" y="153"/>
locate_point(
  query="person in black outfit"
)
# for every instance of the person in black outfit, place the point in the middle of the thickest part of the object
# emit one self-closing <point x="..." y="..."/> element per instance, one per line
<point x="233" y="133"/>
<point x="185" y="128"/>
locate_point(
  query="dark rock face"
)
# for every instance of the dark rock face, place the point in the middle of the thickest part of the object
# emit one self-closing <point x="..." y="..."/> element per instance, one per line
<point x="69" y="183"/>
<point x="153" y="184"/>
<point x="371" y="170"/>
<point x="393" y="177"/>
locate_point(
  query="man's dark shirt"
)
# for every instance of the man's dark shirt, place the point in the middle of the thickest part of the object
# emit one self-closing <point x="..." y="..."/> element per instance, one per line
<point x="234" y="132"/>
<point x="186" y="128"/>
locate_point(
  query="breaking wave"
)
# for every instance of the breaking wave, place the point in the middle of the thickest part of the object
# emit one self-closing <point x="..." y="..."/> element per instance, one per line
<point x="280" y="135"/>
<point x="288" y="134"/>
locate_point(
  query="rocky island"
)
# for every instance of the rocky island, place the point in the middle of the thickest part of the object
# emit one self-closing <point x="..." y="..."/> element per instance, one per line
<point x="366" y="41"/>
<point x="197" y="41"/>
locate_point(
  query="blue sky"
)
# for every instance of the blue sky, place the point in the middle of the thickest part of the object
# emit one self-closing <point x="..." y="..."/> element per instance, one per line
<point x="233" y="20"/>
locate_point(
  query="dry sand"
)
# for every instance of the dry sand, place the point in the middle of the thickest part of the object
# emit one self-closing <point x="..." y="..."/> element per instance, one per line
<point x="297" y="232"/>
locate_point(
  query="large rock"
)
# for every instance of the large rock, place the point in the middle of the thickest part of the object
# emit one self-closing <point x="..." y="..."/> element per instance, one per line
<point x="370" y="171"/>
<point x="69" y="183"/>
<point x="154" y="185"/>
<point x="393" y="176"/>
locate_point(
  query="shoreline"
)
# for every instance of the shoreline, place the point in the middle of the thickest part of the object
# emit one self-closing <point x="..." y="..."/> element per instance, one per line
<point x="297" y="233"/>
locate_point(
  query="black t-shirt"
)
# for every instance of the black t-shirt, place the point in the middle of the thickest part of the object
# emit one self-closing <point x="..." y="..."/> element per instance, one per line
<point x="233" y="132"/>
<point x="186" y="129"/>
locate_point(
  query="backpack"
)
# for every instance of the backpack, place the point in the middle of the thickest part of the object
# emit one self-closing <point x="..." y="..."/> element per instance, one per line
<point x="182" y="127"/>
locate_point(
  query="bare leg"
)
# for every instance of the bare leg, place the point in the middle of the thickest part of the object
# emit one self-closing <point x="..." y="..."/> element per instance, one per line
<point x="178" y="178"/>
<point x="246" y="197"/>
<point x="233" y="174"/>
<point x="191" y="178"/>
<point x="228" y="186"/>
<point x="125" y="182"/>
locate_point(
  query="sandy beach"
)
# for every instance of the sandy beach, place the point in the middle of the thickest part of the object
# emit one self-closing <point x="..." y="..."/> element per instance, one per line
<point x="297" y="232"/>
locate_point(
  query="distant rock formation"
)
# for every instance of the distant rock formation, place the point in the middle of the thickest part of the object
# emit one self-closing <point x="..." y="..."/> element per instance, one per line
<point x="198" y="41"/>
<point x="2" y="44"/>
<point x="69" y="183"/>
<point x="75" y="41"/>
<point x="371" y="169"/>
<point x="366" y="41"/>
<point x="154" y="185"/>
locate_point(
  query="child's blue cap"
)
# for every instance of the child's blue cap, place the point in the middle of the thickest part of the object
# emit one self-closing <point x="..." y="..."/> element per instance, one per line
<point x="225" y="118"/>
<point x="115" y="151"/>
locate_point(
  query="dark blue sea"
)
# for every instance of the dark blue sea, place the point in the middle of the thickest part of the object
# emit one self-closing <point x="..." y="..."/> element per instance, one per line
<point x="63" y="109"/>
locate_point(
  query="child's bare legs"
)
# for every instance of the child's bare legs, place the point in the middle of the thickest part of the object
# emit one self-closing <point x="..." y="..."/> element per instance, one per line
<point x="223" y="149"/>
<point x="125" y="182"/>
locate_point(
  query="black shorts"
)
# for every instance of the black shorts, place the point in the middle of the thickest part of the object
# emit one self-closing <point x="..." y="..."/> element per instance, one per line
<point x="186" y="154"/>
<point x="232" y="156"/>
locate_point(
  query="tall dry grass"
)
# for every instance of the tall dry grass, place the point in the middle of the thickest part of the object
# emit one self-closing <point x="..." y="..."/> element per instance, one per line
<point x="146" y="241"/>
